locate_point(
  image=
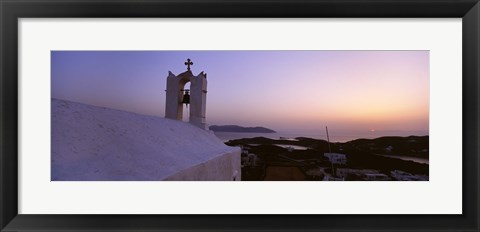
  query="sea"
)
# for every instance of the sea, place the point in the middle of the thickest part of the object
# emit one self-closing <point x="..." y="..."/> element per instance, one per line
<point x="334" y="136"/>
<point x="409" y="158"/>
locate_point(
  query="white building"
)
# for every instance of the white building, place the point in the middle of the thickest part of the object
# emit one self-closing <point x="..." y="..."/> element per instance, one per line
<point x="91" y="143"/>
<point x="406" y="176"/>
<point x="252" y="159"/>
<point x="336" y="158"/>
<point x="96" y="143"/>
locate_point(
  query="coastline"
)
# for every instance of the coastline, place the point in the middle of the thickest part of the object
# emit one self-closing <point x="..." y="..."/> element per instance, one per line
<point x="334" y="137"/>
<point x="409" y="158"/>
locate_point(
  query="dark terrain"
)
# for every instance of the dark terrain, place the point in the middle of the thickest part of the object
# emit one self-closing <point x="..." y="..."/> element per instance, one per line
<point x="360" y="154"/>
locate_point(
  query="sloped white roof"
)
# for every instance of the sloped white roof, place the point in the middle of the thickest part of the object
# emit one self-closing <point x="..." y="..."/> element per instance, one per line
<point x="96" y="143"/>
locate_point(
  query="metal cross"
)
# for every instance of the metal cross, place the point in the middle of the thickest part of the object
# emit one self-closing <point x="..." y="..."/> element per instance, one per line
<point x="188" y="63"/>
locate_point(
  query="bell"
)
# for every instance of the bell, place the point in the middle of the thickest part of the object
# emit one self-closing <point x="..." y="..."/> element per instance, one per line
<point x="186" y="97"/>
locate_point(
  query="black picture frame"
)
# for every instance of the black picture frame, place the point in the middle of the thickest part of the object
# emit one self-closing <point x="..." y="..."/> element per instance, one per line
<point x="11" y="11"/>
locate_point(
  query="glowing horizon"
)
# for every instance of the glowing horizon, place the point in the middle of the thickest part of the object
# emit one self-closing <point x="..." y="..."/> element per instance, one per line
<point x="282" y="90"/>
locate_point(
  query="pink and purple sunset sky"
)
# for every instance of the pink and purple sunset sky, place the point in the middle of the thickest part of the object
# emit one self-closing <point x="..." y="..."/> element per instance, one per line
<point x="281" y="90"/>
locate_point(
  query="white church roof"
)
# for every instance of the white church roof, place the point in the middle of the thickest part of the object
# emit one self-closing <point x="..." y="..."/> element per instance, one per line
<point x="96" y="143"/>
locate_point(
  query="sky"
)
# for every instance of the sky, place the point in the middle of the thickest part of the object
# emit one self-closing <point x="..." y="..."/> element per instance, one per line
<point x="281" y="90"/>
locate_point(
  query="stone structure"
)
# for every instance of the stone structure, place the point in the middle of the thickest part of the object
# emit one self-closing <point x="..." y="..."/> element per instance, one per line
<point x="198" y="96"/>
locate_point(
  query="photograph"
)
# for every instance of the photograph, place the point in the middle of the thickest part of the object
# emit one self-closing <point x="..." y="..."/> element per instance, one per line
<point x="240" y="115"/>
<point x="274" y="115"/>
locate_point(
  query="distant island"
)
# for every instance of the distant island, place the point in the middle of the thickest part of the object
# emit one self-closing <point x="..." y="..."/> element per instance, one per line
<point x="240" y="129"/>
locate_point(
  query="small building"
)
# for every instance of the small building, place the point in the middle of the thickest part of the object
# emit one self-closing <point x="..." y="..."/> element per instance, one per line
<point x="389" y="149"/>
<point x="317" y="173"/>
<point x="252" y="159"/>
<point x="245" y="150"/>
<point x="336" y="158"/>
<point x="406" y="176"/>
<point x="360" y="174"/>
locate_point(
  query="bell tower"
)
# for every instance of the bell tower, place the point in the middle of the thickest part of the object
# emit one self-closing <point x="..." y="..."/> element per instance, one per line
<point x="195" y="97"/>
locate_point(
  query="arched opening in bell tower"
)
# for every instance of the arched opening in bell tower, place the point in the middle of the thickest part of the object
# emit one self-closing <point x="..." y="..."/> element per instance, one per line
<point x="185" y="100"/>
